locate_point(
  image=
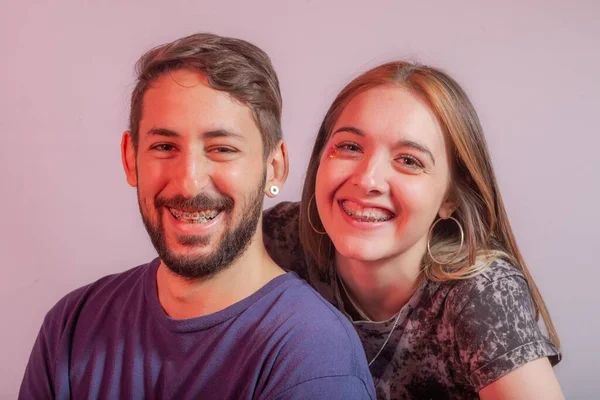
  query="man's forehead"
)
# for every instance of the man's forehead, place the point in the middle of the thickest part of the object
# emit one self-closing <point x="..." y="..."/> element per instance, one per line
<point x="180" y="81"/>
<point x="181" y="102"/>
<point x="185" y="77"/>
<point x="189" y="93"/>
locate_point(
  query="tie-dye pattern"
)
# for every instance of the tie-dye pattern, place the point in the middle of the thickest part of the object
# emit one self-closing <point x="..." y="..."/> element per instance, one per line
<point x="451" y="340"/>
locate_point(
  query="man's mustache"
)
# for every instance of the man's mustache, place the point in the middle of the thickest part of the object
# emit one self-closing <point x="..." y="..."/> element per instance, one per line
<point x="200" y="201"/>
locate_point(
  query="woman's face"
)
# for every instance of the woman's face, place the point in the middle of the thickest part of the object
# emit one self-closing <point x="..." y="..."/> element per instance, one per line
<point x="384" y="176"/>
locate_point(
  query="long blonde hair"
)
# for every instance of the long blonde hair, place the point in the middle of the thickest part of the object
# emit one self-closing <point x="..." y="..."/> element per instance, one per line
<point x="481" y="212"/>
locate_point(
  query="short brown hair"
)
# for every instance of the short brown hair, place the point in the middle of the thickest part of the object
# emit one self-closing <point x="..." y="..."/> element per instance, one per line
<point x="231" y="65"/>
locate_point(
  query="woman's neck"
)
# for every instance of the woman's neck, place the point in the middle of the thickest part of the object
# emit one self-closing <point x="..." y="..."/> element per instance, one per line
<point x="381" y="288"/>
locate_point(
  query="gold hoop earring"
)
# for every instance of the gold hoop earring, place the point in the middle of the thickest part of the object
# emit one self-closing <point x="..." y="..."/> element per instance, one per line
<point x="462" y="240"/>
<point x="308" y="216"/>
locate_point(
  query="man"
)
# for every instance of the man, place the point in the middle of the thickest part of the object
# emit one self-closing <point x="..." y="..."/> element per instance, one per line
<point x="213" y="316"/>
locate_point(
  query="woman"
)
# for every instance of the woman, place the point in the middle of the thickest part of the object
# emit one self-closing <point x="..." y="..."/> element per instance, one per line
<point x="402" y="227"/>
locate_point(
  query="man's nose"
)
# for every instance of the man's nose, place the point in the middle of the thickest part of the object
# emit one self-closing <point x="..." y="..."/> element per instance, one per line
<point x="192" y="174"/>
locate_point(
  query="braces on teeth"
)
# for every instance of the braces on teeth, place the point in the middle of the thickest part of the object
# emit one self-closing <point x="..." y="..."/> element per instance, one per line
<point x="196" y="216"/>
<point x="367" y="216"/>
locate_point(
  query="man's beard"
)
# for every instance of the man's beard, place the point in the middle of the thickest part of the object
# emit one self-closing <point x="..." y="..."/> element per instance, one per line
<point x="231" y="246"/>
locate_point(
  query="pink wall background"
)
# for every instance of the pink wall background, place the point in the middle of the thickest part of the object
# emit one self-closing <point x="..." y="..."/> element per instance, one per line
<point x="531" y="68"/>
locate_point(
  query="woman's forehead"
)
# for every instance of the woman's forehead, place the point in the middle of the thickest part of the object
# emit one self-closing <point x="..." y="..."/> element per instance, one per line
<point x="391" y="113"/>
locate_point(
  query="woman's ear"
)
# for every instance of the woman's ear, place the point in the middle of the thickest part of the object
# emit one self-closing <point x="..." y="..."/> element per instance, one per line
<point x="448" y="206"/>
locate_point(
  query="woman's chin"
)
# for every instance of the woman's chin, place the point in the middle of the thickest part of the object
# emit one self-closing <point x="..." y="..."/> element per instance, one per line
<point x="363" y="252"/>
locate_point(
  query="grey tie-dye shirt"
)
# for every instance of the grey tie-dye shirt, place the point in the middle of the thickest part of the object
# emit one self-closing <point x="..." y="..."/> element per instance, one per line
<point x="451" y="339"/>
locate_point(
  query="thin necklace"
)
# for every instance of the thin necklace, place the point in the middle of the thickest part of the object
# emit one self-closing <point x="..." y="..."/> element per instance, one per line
<point x="364" y="315"/>
<point x="356" y="307"/>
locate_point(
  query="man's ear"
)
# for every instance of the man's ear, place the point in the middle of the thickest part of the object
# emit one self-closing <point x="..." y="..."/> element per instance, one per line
<point x="128" y="158"/>
<point x="277" y="169"/>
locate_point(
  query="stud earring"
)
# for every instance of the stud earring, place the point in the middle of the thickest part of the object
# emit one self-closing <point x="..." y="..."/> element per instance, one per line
<point x="274" y="190"/>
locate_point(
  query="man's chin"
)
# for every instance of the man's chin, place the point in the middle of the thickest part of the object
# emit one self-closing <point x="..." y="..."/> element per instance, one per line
<point x="189" y="254"/>
<point x="186" y="255"/>
<point x="191" y="244"/>
<point x="190" y="265"/>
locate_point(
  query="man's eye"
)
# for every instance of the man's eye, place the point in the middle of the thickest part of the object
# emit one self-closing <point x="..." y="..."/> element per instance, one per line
<point x="163" y="147"/>
<point x="221" y="149"/>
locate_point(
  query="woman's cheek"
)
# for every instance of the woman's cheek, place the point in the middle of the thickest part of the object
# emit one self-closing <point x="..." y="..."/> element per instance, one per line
<point x="331" y="153"/>
<point x="332" y="174"/>
<point x="416" y="194"/>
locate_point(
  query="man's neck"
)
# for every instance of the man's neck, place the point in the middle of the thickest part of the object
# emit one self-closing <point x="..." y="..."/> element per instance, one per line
<point x="381" y="288"/>
<point x="183" y="299"/>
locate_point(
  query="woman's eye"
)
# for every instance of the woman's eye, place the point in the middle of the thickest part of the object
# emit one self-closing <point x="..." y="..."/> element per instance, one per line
<point x="410" y="162"/>
<point x="348" y="146"/>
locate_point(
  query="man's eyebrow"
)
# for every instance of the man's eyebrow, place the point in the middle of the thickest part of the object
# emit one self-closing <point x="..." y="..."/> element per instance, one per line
<point x="162" y="132"/>
<point x="217" y="133"/>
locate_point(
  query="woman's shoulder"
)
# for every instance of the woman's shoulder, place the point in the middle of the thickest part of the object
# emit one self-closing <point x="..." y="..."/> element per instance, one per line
<point x="498" y="291"/>
<point x="283" y="214"/>
<point x="493" y="322"/>
<point x="282" y="239"/>
<point x="496" y="277"/>
<point x="281" y="226"/>
<point x="281" y="236"/>
<point x="499" y="268"/>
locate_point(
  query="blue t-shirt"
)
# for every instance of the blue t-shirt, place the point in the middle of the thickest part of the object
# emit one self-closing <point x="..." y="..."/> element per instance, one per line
<point x="113" y="340"/>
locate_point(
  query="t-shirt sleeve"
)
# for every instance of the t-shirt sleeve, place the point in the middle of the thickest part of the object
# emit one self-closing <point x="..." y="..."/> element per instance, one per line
<point x="497" y="332"/>
<point x="282" y="239"/>
<point x="331" y="388"/>
<point x="44" y="376"/>
<point x="37" y="381"/>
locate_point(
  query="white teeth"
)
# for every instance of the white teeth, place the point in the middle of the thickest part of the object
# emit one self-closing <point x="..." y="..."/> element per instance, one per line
<point x="194" y="216"/>
<point x="366" y="214"/>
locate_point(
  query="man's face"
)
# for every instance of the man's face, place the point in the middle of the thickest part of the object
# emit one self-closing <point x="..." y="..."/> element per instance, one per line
<point x="199" y="173"/>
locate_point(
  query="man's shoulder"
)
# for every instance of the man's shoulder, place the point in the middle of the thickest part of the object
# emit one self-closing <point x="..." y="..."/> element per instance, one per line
<point x="304" y="301"/>
<point x="103" y="291"/>
<point x="319" y="342"/>
<point x="317" y="323"/>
